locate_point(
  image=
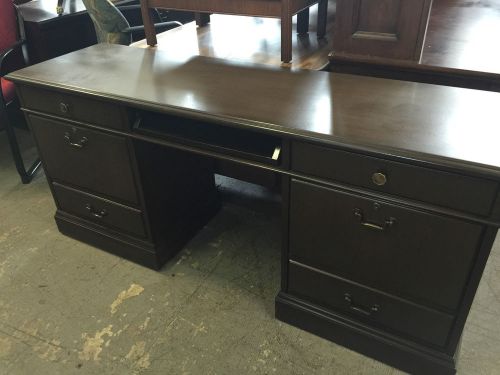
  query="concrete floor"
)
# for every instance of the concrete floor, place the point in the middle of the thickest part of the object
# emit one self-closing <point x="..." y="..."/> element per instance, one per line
<point x="68" y="308"/>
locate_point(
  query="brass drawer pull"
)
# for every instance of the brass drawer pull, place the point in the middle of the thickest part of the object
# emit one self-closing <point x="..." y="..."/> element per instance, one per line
<point x="98" y="214"/>
<point x="379" y="179"/>
<point x="78" y="144"/>
<point x="360" y="309"/>
<point x="388" y="222"/>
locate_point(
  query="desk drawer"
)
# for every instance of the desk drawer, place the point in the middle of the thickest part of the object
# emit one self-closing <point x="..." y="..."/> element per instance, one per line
<point x="450" y="190"/>
<point x="415" y="255"/>
<point x="369" y="306"/>
<point x="85" y="158"/>
<point x="74" y="107"/>
<point x="99" y="210"/>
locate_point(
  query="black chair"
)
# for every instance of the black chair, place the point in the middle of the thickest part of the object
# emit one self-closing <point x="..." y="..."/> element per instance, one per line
<point x="13" y="56"/>
<point x="112" y="26"/>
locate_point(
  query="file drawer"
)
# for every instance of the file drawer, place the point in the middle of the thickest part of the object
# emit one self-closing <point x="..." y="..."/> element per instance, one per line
<point x="412" y="254"/>
<point x="99" y="210"/>
<point x="366" y="305"/>
<point x="86" y="158"/>
<point x="449" y="190"/>
<point x="75" y="107"/>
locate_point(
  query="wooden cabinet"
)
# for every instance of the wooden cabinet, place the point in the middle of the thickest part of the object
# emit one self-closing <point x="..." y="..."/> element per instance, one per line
<point x="388" y="220"/>
<point x="398" y="250"/>
<point x="381" y="28"/>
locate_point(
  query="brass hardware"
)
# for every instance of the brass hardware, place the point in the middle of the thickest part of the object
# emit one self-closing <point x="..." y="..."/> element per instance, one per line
<point x="98" y="214"/>
<point x="64" y="107"/>
<point x="78" y="144"/>
<point x="359" y="309"/>
<point x="276" y="153"/>
<point x="379" y="179"/>
<point x="381" y="227"/>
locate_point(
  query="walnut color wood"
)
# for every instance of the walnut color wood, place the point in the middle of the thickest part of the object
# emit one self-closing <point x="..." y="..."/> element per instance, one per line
<point x="419" y="260"/>
<point x="282" y="9"/>
<point x="100" y="156"/>
<point x="358" y="112"/>
<point x="251" y="39"/>
<point x="386" y="28"/>
<point x="398" y="259"/>
<point x="368" y="305"/>
<point x="49" y="35"/>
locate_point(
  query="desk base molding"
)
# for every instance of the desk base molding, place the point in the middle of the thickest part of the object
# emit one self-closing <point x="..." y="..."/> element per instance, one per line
<point x="136" y="252"/>
<point x="361" y="339"/>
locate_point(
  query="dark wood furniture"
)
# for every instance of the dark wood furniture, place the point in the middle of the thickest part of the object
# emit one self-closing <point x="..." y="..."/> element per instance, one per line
<point x="384" y="28"/>
<point x="390" y="189"/>
<point x="50" y="35"/>
<point x="281" y="9"/>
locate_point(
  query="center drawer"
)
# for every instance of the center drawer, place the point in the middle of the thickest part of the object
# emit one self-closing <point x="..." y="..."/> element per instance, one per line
<point x="85" y="158"/>
<point x="412" y="254"/>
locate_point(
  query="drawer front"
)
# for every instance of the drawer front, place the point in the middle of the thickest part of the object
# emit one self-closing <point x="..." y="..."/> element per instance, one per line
<point x="99" y="210"/>
<point x="449" y="190"/>
<point x="74" y="107"/>
<point x="369" y="306"/>
<point x="85" y="158"/>
<point x="415" y="255"/>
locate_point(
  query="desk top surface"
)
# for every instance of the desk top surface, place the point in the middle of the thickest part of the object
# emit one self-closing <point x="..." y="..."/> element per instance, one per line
<point x="437" y="124"/>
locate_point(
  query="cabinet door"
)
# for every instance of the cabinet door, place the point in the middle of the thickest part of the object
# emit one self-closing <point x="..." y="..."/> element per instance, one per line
<point x="383" y="28"/>
<point x="411" y="254"/>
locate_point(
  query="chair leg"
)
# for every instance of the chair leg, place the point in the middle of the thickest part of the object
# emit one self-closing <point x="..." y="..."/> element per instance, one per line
<point x="26" y="175"/>
<point x="303" y="21"/>
<point x="322" y="15"/>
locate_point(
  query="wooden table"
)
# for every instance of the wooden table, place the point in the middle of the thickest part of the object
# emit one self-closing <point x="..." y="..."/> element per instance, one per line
<point x="281" y="9"/>
<point x="390" y="189"/>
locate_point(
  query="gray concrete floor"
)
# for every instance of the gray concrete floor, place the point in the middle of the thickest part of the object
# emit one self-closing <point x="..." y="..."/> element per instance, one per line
<point x="68" y="308"/>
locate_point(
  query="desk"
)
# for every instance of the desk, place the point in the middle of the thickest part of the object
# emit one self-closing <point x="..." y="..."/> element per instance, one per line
<point x="390" y="197"/>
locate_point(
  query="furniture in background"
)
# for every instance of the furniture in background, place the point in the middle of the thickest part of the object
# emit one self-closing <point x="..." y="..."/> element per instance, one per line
<point x="12" y="56"/>
<point x="388" y="215"/>
<point x="49" y="35"/>
<point x="282" y="9"/>
<point x="392" y="29"/>
<point x="111" y="26"/>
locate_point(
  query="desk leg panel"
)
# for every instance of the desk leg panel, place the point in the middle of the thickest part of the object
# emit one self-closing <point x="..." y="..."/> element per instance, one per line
<point x="179" y="192"/>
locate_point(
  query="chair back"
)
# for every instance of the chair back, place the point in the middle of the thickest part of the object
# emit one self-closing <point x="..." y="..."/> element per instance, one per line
<point x="110" y="24"/>
<point x="8" y="24"/>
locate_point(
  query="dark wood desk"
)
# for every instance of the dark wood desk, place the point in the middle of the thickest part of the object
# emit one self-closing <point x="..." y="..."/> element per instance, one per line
<point x="390" y="189"/>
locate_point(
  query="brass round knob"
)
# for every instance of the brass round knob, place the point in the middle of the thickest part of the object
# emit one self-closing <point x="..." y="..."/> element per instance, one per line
<point x="379" y="179"/>
<point x="64" y="108"/>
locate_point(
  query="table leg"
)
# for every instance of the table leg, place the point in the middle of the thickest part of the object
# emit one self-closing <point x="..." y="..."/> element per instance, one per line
<point x="202" y="19"/>
<point x="149" y="28"/>
<point x="303" y="21"/>
<point x="286" y="32"/>
<point x="322" y="15"/>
